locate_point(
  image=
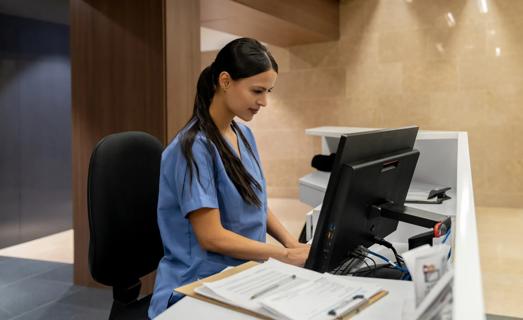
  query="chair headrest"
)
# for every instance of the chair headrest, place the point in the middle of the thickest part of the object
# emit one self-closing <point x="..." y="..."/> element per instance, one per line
<point x="122" y="197"/>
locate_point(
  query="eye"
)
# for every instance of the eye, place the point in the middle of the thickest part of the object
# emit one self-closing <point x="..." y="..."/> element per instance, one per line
<point x="258" y="91"/>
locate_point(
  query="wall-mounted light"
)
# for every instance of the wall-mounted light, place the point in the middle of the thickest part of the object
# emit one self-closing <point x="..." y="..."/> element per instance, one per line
<point x="483" y="6"/>
<point x="450" y="20"/>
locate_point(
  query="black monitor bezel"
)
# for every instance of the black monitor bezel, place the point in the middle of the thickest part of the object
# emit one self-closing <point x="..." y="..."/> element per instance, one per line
<point x="354" y="148"/>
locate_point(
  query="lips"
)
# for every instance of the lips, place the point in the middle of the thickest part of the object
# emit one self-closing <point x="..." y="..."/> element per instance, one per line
<point x="254" y="111"/>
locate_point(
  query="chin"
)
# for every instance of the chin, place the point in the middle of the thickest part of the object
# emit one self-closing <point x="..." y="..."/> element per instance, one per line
<point x="246" y="118"/>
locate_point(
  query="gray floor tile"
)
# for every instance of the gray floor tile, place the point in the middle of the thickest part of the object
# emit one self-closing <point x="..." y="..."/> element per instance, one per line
<point x="4" y="258"/>
<point x="63" y="273"/>
<point x="16" y="269"/>
<point x="60" y="311"/>
<point x="4" y="315"/>
<point x="31" y="293"/>
<point x="33" y="289"/>
<point x="90" y="298"/>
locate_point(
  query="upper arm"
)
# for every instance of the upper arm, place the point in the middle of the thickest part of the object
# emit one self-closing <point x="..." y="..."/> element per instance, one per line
<point x="196" y="189"/>
<point x="207" y="226"/>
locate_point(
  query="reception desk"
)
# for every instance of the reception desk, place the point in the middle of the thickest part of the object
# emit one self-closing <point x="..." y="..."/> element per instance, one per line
<point x="444" y="160"/>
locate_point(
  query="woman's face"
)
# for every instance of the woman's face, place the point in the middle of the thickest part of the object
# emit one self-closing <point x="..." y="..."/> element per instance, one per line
<point x="245" y="97"/>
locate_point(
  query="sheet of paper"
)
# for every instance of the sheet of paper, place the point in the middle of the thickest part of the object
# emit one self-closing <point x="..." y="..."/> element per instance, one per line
<point x="204" y="291"/>
<point x="313" y="300"/>
<point x="248" y="287"/>
<point x="282" y="291"/>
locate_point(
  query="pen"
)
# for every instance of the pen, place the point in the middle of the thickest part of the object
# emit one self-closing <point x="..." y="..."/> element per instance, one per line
<point x="269" y="288"/>
<point x="340" y="314"/>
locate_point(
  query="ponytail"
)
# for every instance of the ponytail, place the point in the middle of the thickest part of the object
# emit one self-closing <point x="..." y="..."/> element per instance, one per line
<point x="241" y="58"/>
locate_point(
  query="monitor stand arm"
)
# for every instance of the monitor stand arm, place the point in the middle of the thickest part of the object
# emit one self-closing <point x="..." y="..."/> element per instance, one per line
<point x="411" y="215"/>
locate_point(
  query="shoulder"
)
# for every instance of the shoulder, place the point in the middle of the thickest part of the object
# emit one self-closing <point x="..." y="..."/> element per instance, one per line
<point x="201" y="147"/>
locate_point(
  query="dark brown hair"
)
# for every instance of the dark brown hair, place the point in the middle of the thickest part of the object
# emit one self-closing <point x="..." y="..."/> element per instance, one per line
<point x="241" y="58"/>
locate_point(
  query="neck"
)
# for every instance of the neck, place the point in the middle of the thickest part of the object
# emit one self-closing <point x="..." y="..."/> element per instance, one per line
<point x="220" y="115"/>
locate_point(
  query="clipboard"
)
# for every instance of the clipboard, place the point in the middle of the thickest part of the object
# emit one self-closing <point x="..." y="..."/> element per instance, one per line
<point x="188" y="290"/>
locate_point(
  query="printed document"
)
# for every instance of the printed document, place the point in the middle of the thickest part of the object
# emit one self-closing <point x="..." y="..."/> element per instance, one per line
<point x="281" y="291"/>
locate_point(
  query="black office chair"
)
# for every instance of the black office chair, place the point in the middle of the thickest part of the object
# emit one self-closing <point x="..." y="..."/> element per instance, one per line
<point x="122" y="196"/>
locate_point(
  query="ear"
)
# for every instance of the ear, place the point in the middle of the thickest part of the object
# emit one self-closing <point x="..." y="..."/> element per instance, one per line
<point x="224" y="79"/>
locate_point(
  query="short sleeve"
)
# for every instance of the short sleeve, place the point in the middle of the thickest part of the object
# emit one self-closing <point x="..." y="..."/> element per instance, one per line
<point x="198" y="191"/>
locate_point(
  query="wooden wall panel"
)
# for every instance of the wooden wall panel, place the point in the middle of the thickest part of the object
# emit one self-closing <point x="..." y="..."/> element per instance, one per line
<point x="320" y="16"/>
<point x="182" y="42"/>
<point x="118" y="84"/>
<point x="282" y="23"/>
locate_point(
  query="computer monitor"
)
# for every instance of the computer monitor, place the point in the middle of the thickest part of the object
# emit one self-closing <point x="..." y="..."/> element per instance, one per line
<point x="371" y="169"/>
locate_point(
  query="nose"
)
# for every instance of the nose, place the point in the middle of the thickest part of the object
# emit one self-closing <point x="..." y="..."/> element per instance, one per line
<point x="262" y="101"/>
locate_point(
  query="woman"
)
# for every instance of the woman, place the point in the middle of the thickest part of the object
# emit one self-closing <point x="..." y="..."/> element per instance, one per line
<point x="212" y="207"/>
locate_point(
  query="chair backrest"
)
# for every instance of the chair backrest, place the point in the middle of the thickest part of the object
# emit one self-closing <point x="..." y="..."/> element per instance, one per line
<point x="122" y="197"/>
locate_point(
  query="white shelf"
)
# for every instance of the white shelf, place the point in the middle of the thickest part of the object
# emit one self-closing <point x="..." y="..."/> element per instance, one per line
<point x="337" y="132"/>
<point x="334" y="132"/>
<point x="318" y="181"/>
<point x="447" y="207"/>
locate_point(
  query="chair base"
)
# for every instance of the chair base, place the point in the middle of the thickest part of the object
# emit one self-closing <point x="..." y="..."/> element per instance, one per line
<point x="136" y="310"/>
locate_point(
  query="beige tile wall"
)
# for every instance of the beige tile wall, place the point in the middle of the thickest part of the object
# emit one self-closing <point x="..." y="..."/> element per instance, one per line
<point x="439" y="64"/>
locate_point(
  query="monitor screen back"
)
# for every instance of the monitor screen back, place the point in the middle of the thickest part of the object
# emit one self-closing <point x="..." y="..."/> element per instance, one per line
<point x="343" y="198"/>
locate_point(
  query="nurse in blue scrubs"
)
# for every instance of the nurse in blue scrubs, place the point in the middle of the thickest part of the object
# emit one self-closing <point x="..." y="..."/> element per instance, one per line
<point x="212" y="207"/>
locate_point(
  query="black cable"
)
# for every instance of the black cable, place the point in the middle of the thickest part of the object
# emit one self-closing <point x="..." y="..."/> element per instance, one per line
<point x="361" y="253"/>
<point x="389" y="245"/>
<point x="340" y="266"/>
<point x="354" y="262"/>
<point x="364" y="261"/>
<point x="357" y="257"/>
<point x="363" y="257"/>
<point x="373" y="262"/>
<point x="344" y="266"/>
<point x="396" y="255"/>
<point x="350" y="265"/>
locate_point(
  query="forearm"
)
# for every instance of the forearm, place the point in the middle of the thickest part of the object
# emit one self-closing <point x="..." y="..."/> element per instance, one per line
<point x="213" y="237"/>
<point x="237" y="246"/>
<point x="278" y="231"/>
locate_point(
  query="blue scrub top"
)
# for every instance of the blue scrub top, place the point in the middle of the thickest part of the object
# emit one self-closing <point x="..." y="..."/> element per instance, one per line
<point x="184" y="259"/>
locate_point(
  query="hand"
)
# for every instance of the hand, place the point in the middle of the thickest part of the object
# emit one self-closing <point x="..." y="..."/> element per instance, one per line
<point x="293" y="243"/>
<point x="297" y="256"/>
<point x="301" y="245"/>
